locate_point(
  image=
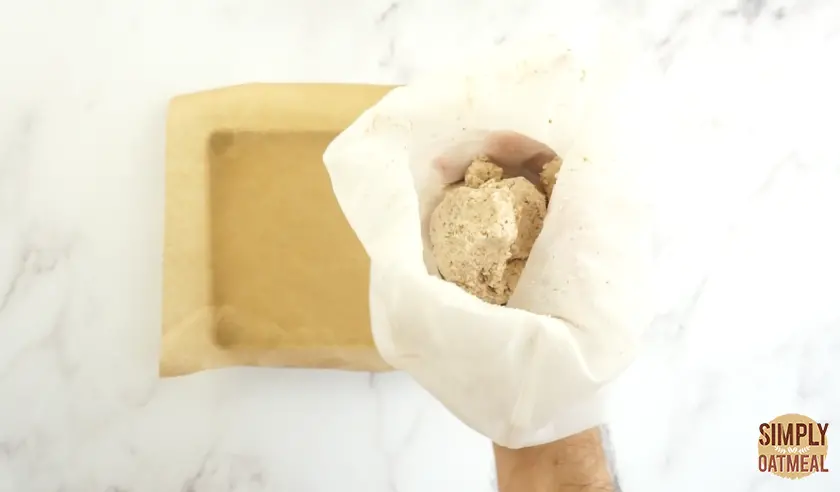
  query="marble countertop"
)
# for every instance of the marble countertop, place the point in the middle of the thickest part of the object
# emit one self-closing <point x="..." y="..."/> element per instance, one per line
<point x="749" y="324"/>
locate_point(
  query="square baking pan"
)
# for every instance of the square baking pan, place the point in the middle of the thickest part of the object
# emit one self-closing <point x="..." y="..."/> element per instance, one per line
<point x="260" y="266"/>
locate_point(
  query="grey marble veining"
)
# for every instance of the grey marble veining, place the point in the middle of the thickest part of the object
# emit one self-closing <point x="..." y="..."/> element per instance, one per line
<point x="749" y="304"/>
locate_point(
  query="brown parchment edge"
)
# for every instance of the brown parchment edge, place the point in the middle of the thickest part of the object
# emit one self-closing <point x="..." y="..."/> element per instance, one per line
<point x="187" y="304"/>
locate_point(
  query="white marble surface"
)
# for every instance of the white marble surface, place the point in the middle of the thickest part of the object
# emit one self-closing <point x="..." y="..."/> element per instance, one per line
<point x="750" y="297"/>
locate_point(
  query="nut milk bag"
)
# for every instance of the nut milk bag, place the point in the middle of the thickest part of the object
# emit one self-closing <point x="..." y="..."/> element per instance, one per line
<point x="535" y="370"/>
